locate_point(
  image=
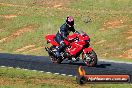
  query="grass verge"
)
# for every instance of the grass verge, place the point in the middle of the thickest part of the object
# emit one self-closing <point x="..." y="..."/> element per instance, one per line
<point x="17" y="78"/>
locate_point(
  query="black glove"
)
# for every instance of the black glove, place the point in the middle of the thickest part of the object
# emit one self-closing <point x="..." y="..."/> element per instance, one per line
<point x="77" y="32"/>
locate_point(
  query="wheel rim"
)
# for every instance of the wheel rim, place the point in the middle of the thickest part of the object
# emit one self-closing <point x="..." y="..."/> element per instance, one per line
<point x="89" y="59"/>
<point x="53" y="59"/>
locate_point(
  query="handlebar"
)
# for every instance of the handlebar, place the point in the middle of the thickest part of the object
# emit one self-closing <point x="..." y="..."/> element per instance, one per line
<point x="74" y="39"/>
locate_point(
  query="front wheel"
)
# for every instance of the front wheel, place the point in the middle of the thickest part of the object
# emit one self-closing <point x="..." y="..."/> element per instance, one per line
<point x="90" y="58"/>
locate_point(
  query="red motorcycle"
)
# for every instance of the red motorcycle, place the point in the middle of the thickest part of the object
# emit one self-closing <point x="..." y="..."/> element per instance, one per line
<point x="79" y="44"/>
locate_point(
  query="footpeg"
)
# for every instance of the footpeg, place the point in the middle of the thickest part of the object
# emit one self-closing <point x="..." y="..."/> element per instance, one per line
<point x="46" y="48"/>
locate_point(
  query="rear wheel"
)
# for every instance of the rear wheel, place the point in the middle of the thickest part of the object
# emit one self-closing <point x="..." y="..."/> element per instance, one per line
<point x="59" y="60"/>
<point x="53" y="58"/>
<point x="90" y="58"/>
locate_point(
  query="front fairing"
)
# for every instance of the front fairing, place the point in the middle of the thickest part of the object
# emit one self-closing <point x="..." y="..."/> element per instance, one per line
<point x="50" y="38"/>
<point x="78" y="44"/>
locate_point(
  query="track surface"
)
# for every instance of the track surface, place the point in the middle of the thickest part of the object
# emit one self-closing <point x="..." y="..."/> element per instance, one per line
<point x="42" y="63"/>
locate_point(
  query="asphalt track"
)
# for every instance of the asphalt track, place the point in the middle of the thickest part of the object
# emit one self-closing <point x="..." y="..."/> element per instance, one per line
<point x="42" y="63"/>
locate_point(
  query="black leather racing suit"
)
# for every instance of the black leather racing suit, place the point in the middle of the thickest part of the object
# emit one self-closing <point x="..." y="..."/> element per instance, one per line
<point x="61" y="35"/>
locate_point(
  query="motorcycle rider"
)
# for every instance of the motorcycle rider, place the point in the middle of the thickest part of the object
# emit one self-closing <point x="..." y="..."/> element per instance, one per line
<point x="62" y="34"/>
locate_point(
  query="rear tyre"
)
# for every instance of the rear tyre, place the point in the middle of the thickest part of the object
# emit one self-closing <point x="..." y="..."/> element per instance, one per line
<point x="59" y="60"/>
<point x="53" y="58"/>
<point x="90" y="58"/>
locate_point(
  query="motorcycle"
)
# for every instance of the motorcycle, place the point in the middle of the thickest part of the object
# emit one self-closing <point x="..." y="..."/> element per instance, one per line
<point x="76" y="48"/>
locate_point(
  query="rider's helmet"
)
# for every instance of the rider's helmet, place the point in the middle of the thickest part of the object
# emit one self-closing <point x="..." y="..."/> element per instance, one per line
<point x="70" y="21"/>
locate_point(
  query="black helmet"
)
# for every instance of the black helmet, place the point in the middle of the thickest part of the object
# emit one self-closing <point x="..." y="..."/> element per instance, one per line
<point x="70" y="20"/>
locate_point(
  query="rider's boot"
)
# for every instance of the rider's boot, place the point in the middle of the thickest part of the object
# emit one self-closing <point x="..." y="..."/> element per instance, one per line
<point x="59" y="49"/>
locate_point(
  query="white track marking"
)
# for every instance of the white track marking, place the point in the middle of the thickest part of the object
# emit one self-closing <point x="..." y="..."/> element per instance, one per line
<point x="48" y="72"/>
<point x="70" y="75"/>
<point x="18" y="68"/>
<point x="25" y="69"/>
<point x="56" y="73"/>
<point x="63" y="74"/>
<point x="10" y="67"/>
<point x="33" y="70"/>
<point x="2" y="66"/>
<point x="41" y="71"/>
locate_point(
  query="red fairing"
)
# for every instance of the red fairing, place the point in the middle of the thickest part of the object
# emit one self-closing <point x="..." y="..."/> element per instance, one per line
<point x="75" y="48"/>
<point x="86" y="50"/>
<point x="50" y="38"/>
<point x="79" y="41"/>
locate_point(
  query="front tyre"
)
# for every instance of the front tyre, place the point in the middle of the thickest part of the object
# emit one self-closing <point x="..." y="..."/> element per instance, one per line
<point x="90" y="58"/>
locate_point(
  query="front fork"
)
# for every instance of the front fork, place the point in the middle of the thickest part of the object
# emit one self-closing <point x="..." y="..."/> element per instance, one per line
<point x="85" y="51"/>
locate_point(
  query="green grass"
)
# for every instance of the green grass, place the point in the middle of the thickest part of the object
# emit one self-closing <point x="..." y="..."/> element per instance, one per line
<point x="17" y="78"/>
<point x="103" y="4"/>
<point x="49" y="19"/>
<point x="14" y="78"/>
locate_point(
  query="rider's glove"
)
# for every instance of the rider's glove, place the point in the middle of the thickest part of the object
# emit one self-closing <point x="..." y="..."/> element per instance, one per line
<point x="77" y="32"/>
